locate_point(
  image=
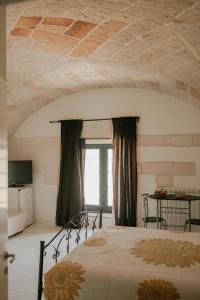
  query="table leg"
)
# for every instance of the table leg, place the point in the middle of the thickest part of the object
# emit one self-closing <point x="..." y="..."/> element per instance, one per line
<point x="157" y="215"/>
<point x="189" y="217"/>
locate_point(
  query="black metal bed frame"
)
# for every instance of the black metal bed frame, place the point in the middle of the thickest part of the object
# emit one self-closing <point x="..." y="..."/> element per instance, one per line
<point x="79" y="223"/>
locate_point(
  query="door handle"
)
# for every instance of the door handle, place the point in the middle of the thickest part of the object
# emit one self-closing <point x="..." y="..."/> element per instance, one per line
<point x="9" y="256"/>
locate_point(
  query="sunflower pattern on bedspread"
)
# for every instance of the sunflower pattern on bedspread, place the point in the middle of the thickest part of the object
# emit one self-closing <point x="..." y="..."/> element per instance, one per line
<point x="168" y="252"/>
<point x="123" y="263"/>
<point x="63" y="281"/>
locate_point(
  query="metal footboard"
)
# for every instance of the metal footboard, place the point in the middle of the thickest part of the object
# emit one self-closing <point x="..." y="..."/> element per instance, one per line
<point x="80" y="225"/>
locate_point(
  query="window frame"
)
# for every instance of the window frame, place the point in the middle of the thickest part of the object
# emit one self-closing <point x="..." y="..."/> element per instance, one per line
<point x="103" y="177"/>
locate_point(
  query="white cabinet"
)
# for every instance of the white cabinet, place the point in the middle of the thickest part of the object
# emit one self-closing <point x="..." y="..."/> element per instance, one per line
<point x="26" y="203"/>
<point x="21" y="198"/>
<point x="13" y="198"/>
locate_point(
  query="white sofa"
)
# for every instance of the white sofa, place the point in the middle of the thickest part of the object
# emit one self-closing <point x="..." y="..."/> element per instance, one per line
<point x="17" y="218"/>
<point x="16" y="221"/>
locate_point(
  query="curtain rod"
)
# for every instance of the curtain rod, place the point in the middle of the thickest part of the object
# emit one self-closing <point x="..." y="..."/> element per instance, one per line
<point x="89" y="120"/>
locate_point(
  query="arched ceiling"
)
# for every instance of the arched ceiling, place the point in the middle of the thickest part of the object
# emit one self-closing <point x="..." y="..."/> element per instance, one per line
<point x="57" y="47"/>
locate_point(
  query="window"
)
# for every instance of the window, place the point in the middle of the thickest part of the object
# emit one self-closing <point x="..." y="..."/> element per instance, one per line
<point x="98" y="177"/>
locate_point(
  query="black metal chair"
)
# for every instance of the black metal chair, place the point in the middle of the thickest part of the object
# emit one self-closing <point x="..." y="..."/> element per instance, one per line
<point x="151" y="219"/>
<point x="192" y="222"/>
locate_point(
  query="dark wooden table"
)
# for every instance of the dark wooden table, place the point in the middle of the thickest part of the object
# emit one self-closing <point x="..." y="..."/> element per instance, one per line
<point x="173" y="209"/>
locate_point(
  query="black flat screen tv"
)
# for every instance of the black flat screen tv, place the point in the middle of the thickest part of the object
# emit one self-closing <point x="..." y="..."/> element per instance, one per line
<point x="19" y="172"/>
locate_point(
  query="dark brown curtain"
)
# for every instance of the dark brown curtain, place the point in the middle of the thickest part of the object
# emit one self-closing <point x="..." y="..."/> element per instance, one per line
<point x="71" y="184"/>
<point x="125" y="171"/>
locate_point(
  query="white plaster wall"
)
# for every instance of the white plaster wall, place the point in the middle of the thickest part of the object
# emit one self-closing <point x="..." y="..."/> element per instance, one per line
<point x="160" y="115"/>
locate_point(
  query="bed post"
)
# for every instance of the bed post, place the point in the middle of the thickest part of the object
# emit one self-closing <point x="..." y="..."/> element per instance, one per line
<point x="100" y="217"/>
<point x="40" y="280"/>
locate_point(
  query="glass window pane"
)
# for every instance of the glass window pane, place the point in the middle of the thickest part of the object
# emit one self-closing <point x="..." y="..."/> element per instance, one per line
<point x="110" y="196"/>
<point x="110" y="153"/>
<point x="109" y="160"/>
<point x="91" y="183"/>
<point x="110" y="179"/>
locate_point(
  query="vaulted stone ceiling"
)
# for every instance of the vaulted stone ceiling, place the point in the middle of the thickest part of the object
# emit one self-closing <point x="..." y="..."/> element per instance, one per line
<point x="57" y="47"/>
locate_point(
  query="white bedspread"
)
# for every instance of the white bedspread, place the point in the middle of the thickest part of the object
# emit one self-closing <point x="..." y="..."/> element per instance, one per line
<point x="120" y="263"/>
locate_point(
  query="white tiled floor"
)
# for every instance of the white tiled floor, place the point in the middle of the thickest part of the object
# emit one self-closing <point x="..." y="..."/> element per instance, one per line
<point x="23" y="273"/>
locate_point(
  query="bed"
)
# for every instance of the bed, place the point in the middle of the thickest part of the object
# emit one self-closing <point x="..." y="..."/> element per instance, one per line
<point x="71" y="234"/>
<point x="129" y="263"/>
